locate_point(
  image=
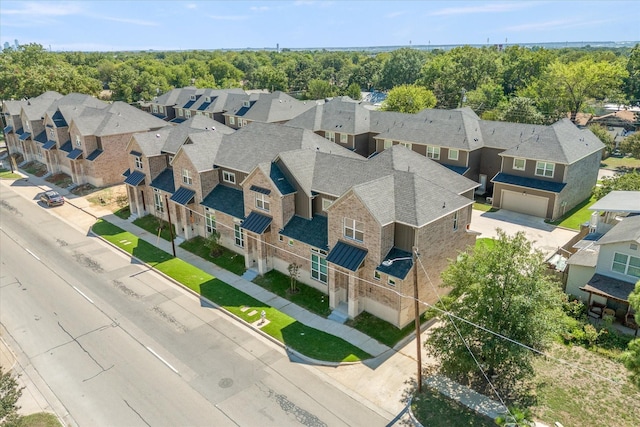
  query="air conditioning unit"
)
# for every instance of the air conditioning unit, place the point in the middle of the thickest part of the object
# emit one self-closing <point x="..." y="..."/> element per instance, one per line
<point x="490" y="200"/>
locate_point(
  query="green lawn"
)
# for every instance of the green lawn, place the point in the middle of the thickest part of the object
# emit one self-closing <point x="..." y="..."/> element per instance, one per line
<point x="39" y="419"/>
<point x="486" y="242"/>
<point x="229" y="260"/>
<point x="485" y="207"/>
<point x="308" y="297"/>
<point x="123" y="213"/>
<point x="151" y="223"/>
<point x="383" y="331"/>
<point x="620" y="163"/>
<point x="7" y="174"/>
<point x="576" y="216"/>
<point x="433" y="409"/>
<point x="308" y="341"/>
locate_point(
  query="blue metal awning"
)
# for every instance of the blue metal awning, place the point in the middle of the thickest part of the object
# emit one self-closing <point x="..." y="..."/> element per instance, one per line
<point x="521" y="181"/>
<point x="135" y="153"/>
<point x="8" y="129"/>
<point x="49" y="145"/>
<point x="134" y="178"/>
<point x="347" y="256"/>
<point x="24" y="136"/>
<point x="260" y="189"/>
<point x="75" y="154"/>
<point x="256" y="223"/>
<point x="183" y="196"/>
<point x="94" y="155"/>
<point x="177" y="120"/>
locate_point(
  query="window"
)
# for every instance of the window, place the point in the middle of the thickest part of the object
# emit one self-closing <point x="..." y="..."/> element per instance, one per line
<point x="545" y="169"/>
<point x="52" y="134"/>
<point x="180" y="111"/>
<point x="154" y="108"/>
<point x="331" y="136"/>
<point x="157" y="200"/>
<point x="353" y="229"/>
<point x="433" y="152"/>
<point x="229" y="177"/>
<point x="232" y="120"/>
<point x="161" y="109"/>
<point x="209" y="220"/>
<point x="187" y="114"/>
<point x="391" y="282"/>
<point x="242" y="122"/>
<point x="262" y="201"/>
<point x="344" y="138"/>
<point x="319" y="265"/>
<point x="186" y="177"/>
<point x="376" y="275"/>
<point x="246" y="104"/>
<point x="281" y="237"/>
<point x="519" y="164"/>
<point x="453" y="154"/>
<point x="455" y="220"/>
<point x="28" y="126"/>
<point x="406" y="144"/>
<point x="326" y="203"/>
<point x="238" y="234"/>
<point x="170" y="158"/>
<point x="626" y="264"/>
<point x="138" y="160"/>
<point x="78" y="142"/>
<point x="192" y="98"/>
<point x="388" y="143"/>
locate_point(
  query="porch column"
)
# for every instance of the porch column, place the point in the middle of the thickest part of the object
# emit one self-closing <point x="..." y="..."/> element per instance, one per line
<point x="353" y="300"/>
<point x="261" y="254"/>
<point x="187" y="223"/>
<point x="333" y="303"/>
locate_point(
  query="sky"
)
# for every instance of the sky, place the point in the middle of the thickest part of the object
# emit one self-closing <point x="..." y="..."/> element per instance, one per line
<point x="186" y="25"/>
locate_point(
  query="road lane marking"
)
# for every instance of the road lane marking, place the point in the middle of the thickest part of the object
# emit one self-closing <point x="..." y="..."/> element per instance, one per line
<point x="161" y="359"/>
<point x="81" y="293"/>
<point x="32" y="254"/>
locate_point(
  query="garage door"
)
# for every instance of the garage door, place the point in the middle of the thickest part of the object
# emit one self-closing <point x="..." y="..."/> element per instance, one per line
<point x="525" y="203"/>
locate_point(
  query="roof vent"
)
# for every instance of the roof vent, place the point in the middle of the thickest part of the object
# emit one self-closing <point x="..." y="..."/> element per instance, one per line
<point x="157" y="135"/>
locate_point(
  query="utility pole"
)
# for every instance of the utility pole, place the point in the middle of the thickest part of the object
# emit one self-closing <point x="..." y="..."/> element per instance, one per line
<point x="417" y="313"/>
<point x="173" y="244"/>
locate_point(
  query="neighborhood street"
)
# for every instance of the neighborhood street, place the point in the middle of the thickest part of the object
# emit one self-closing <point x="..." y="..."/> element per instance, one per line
<point x="109" y="342"/>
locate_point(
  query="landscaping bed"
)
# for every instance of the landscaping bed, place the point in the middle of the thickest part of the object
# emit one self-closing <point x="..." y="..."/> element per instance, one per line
<point x="35" y="168"/>
<point x="61" y="180"/>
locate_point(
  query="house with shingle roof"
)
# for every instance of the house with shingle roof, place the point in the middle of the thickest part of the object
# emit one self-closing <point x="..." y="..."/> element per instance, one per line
<point x="534" y="169"/>
<point x="276" y="107"/>
<point x="281" y="195"/>
<point x="180" y="104"/>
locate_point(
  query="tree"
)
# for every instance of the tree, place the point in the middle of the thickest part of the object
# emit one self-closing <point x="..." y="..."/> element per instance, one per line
<point x="632" y="82"/>
<point x="353" y="92"/>
<point x="631" y="357"/>
<point x="319" y="89"/>
<point x="604" y="136"/>
<point x="516" y="417"/>
<point x="625" y="182"/>
<point x="631" y="145"/>
<point x="409" y="99"/>
<point x="270" y="78"/>
<point x="486" y="97"/>
<point x="402" y="67"/>
<point x="294" y="271"/>
<point x="504" y="288"/>
<point x="520" y="110"/>
<point x="9" y="395"/>
<point x="212" y="243"/>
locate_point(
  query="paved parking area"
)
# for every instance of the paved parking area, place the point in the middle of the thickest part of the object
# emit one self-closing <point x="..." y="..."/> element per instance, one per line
<point x="546" y="237"/>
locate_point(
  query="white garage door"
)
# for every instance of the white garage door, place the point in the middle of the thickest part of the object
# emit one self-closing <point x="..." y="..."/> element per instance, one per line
<point x="525" y="203"/>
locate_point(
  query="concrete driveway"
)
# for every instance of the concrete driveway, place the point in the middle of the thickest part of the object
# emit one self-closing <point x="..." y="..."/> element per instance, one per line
<point x="546" y="237"/>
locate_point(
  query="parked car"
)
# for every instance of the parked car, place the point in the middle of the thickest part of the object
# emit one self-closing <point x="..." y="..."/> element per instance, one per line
<point x="52" y="198"/>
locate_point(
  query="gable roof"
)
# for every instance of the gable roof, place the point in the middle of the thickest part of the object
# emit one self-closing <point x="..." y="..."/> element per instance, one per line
<point x="618" y="201"/>
<point x="562" y="142"/>
<point x="118" y="118"/>
<point x="201" y="148"/>
<point x="269" y="107"/>
<point x="627" y="230"/>
<point x="341" y="115"/>
<point x="62" y="110"/>
<point x="35" y="108"/>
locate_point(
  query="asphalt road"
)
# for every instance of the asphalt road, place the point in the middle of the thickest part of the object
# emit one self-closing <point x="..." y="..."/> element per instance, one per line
<point x="118" y="345"/>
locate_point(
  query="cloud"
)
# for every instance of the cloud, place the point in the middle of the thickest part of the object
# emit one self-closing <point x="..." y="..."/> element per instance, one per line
<point x="191" y="6"/>
<point x="482" y="8"/>
<point x="128" y="21"/>
<point x="42" y="9"/>
<point x="229" y="17"/>
<point x="259" y="8"/>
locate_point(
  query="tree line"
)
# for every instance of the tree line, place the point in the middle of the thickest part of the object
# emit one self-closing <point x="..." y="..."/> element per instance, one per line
<point x="519" y="84"/>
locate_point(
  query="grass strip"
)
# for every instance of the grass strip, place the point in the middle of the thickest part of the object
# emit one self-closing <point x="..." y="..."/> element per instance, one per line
<point x="576" y="216"/>
<point x="7" y="174"/>
<point x="151" y="223"/>
<point x="297" y="336"/>
<point x="229" y="260"/>
<point x="309" y="298"/>
<point x="432" y="408"/>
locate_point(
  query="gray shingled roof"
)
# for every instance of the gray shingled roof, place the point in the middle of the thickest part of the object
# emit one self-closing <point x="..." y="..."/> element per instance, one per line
<point x="504" y="135"/>
<point x="13" y="107"/>
<point x="338" y="115"/>
<point x="258" y="142"/>
<point x="118" y="118"/>
<point x="202" y="148"/>
<point x="219" y="99"/>
<point x="561" y="142"/>
<point x="72" y="104"/>
<point x="628" y="230"/>
<point x="35" y="108"/>
<point x="270" y="107"/>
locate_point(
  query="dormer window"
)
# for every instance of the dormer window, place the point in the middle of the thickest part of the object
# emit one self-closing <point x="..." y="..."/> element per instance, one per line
<point x="207" y="99"/>
<point x="246" y="104"/>
<point x="187" y="114"/>
<point x="232" y="120"/>
<point x="52" y="134"/>
<point x="138" y="161"/>
<point x="155" y="108"/>
<point x="28" y="126"/>
<point x="192" y="98"/>
<point x="78" y="141"/>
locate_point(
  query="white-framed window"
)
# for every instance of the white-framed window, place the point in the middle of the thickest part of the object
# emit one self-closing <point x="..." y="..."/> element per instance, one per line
<point x="626" y="264"/>
<point x="407" y="144"/>
<point x="519" y="164"/>
<point x="545" y="169"/>
<point x="232" y="120"/>
<point x="344" y="138"/>
<point x="180" y="113"/>
<point x="453" y="154"/>
<point x="209" y="220"/>
<point x="319" y="265"/>
<point x="455" y="220"/>
<point x="170" y="158"/>
<point x="433" y="152"/>
<point x="229" y="177"/>
<point x="161" y="109"/>
<point x="331" y="136"/>
<point x="187" y="114"/>
<point x="388" y="143"/>
<point x="353" y="230"/>
<point x="154" y="108"/>
<point x="246" y="104"/>
<point x="78" y="141"/>
<point x="157" y="200"/>
<point x="192" y="98"/>
<point x="262" y="202"/>
<point x="391" y="282"/>
<point x="238" y="234"/>
<point x="326" y="203"/>
<point x="186" y="177"/>
<point x="242" y="122"/>
<point x="376" y="275"/>
<point x="52" y="134"/>
<point x="27" y="126"/>
<point x="138" y="161"/>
